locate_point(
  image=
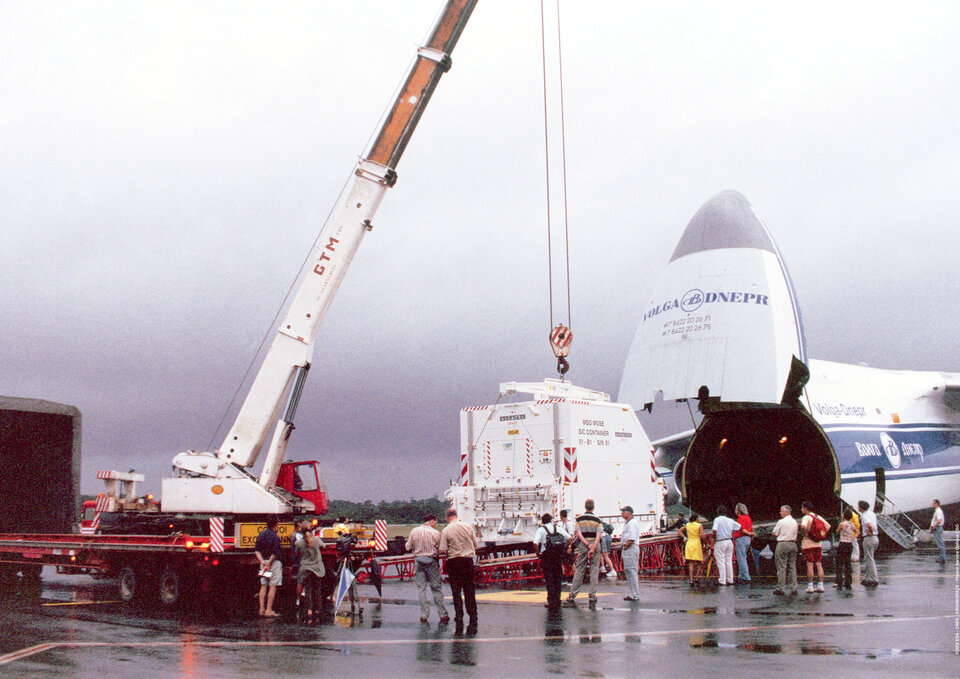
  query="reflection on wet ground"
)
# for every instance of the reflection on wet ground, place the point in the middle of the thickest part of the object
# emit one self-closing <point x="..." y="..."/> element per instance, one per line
<point x="801" y="648"/>
<point x="74" y="627"/>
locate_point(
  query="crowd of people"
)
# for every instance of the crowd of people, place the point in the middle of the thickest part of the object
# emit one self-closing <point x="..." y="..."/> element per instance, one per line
<point x="584" y="543"/>
<point x="857" y="535"/>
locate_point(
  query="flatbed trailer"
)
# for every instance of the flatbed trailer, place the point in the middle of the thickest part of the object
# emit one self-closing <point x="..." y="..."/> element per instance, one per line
<point x="169" y="569"/>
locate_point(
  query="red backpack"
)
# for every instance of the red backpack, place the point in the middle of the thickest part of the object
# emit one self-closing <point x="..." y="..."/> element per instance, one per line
<point x="818" y="528"/>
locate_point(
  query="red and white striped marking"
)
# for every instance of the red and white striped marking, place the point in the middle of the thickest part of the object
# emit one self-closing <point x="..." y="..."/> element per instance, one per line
<point x="216" y="533"/>
<point x="464" y="468"/>
<point x="529" y="457"/>
<point x="560" y="338"/>
<point x="653" y="467"/>
<point x="103" y="505"/>
<point x="570" y="465"/>
<point x="472" y="408"/>
<point x="106" y="475"/>
<point x="380" y="535"/>
<point x="564" y="400"/>
<point x="488" y="470"/>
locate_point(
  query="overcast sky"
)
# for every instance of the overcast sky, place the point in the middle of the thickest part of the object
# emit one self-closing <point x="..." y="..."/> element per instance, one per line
<point x="166" y="166"/>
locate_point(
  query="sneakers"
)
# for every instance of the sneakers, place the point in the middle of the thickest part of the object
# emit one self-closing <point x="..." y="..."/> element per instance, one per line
<point x="570" y="603"/>
<point x="820" y="586"/>
<point x="810" y="589"/>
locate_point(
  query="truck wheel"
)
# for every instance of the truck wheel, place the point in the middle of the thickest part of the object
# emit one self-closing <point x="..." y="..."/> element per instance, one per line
<point x="130" y="584"/>
<point x="171" y="586"/>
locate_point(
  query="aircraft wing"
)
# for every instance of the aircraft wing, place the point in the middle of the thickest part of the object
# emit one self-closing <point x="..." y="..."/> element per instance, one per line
<point x="670" y="449"/>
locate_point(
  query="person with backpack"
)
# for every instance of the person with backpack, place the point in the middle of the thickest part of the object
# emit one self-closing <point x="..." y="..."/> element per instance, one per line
<point x="815" y="530"/>
<point x="551" y="541"/>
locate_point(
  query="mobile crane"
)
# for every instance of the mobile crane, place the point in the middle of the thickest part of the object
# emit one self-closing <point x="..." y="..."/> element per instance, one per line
<point x="178" y="546"/>
<point x="220" y="481"/>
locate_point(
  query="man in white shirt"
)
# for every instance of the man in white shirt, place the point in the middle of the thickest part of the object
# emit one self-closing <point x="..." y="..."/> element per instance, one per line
<point x="786" y="554"/>
<point x="936" y="529"/>
<point x="723" y="528"/>
<point x="630" y="552"/>
<point x="871" y="538"/>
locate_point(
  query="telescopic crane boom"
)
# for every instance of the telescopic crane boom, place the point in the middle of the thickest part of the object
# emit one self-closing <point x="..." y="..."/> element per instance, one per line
<point x="220" y="481"/>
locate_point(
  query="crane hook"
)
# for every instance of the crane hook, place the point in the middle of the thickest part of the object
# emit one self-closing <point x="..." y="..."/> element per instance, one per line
<point x="560" y="339"/>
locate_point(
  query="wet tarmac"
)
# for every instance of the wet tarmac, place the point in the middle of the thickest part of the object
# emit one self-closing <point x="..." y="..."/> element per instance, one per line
<point x="74" y="627"/>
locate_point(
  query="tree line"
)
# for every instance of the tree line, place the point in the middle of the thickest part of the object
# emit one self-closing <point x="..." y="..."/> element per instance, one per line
<point x="394" y="511"/>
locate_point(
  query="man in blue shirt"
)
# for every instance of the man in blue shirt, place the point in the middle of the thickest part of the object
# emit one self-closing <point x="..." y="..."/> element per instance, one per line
<point x="270" y="555"/>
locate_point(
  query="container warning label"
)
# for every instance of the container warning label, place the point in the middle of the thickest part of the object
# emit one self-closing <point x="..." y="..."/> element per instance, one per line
<point x="245" y="534"/>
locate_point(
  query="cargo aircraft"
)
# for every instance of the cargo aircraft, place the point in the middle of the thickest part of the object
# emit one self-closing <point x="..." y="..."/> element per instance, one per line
<point x="723" y="330"/>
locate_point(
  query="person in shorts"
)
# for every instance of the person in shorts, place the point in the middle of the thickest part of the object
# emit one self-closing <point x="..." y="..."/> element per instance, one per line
<point x="810" y="548"/>
<point x="606" y="544"/>
<point x="269" y="555"/>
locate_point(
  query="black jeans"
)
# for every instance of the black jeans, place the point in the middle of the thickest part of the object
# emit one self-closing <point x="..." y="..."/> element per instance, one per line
<point x="311" y="591"/>
<point x="460" y="571"/>
<point x="844" y="569"/>
<point x="551" y="564"/>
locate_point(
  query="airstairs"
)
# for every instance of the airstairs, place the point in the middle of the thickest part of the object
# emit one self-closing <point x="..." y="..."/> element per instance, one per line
<point x="890" y="523"/>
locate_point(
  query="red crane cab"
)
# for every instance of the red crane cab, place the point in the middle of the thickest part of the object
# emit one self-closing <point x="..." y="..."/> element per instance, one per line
<point x="303" y="480"/>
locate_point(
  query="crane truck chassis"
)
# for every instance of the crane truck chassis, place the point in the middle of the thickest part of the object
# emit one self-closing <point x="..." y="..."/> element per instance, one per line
<point x="170" y="569"/>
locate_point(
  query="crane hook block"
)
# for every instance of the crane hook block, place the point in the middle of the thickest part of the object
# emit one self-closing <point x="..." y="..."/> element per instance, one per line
<point x="560" y="338"/>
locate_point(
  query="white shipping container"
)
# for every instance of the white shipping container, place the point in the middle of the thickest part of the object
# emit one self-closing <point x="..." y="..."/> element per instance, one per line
<point x="521" y="460"/>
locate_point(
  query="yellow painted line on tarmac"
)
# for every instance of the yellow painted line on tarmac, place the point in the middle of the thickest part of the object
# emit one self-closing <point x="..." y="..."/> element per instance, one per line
<point x="523" y="596"/>
<point x="82" y="603"/>
<point x="537" y="638"/>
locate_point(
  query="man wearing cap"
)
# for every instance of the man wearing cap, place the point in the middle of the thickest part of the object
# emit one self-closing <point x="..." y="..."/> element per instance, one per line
<point x="630" y="552"/>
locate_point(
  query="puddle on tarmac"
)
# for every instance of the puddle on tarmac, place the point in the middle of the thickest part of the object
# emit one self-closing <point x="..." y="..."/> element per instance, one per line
<point x="801" y="648"/>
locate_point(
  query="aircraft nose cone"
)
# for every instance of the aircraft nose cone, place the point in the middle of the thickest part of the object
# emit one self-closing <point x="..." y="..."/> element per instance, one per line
<point x="725" y="221"/>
